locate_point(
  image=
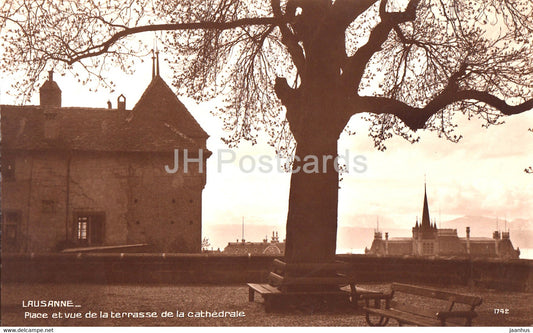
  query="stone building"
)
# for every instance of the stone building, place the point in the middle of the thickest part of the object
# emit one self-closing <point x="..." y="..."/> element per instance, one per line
<point x="79" y="177"/>
<point x="429" y="240"/>
<point x="274" y="247"/>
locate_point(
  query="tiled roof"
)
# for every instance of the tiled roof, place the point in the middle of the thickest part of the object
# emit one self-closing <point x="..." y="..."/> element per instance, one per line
<point x="255" y="248"/>
<point x="158" y="102"/>
<point x="398" y="248"/>
<point x="159" y="122"/>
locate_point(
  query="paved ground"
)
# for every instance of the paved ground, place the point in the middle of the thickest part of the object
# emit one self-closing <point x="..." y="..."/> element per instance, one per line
<point x="188" y="299"/>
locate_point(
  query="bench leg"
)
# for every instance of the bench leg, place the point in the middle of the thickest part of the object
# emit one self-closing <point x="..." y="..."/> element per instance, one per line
<point x="268" y="304"/>
<point x="353" y="296"/>
<point x="377" y="303"/>
<point x="251" y="293"/>
<point x="382" y="320"/>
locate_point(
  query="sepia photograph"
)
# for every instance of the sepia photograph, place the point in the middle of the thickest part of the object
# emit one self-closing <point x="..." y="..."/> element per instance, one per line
<point x="266" y="163"/>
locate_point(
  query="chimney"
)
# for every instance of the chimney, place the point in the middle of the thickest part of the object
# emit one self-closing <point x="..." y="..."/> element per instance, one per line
<point x="386" y="243"/>
<point x="49" y="93"/>
<point x="109" y="105"/>
<point x="121" y="102"/>
<point x="468" y="240"/>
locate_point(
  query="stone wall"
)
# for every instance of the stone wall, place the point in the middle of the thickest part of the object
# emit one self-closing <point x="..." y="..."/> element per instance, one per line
<point x="516" y="274"/>
<point x="38" y="194"/>
<point x="139" y="201"/>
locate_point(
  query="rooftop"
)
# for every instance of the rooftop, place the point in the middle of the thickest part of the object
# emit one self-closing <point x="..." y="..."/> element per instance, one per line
<point x="158" y="122"/>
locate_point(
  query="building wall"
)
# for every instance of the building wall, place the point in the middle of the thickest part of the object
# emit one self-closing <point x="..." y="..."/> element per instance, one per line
<point x="447" y="246"/>
<point x="164" y="209"/>
<point x="140" y="202"/>
<point x="450" y="246"/>
<point x="113" y="268"/>
<point x="38" y="194"/>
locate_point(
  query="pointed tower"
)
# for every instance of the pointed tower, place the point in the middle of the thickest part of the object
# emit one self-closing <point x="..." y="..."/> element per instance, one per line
<point x="415" y="229"/>
<point x="427" y="229"/>
<point x="426" y="224"/>
<point x="160" y="104"/>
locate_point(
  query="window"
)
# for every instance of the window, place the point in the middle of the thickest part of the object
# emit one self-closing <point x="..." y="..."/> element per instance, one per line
<point x="89" y="228"/>
<point x="427" y="248"/>
<point x="82" y="228"/>
<point x="10" y="230"/>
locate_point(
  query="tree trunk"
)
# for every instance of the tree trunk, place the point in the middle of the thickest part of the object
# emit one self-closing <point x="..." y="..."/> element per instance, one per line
<point x="313" y="199"/>
<point x="312" y="216"/>
<point x="316" y="115"/>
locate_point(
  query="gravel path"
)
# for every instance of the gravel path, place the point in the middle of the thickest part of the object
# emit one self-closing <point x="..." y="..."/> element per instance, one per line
<point x="118" y="300"/>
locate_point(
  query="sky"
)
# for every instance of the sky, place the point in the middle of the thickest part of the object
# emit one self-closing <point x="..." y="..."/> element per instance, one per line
<point x="482" y="175"/>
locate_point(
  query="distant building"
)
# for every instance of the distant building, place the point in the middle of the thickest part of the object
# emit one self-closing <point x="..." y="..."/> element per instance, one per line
<point x="428" y="240"/>
<point x="95" y="177"/>
<point x="274" y="247"/>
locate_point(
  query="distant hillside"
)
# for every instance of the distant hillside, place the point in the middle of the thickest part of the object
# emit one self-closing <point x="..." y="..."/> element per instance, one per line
<point x="360" y="237"/>
<point x="481" y="226"/>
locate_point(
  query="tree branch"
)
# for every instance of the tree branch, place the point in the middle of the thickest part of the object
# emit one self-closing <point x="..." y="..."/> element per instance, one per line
<point x="288" y="38"/>
<point x="104" y="46"/>
<point x="495" y="102"/>
<point x="356" y="64"/>
<point x="416" y="118"/>
<point x="289" y="98"/>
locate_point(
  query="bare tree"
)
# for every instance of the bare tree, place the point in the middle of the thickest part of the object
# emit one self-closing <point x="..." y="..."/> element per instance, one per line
<point x="205" y="244"/>
<point x="300" y="69"/>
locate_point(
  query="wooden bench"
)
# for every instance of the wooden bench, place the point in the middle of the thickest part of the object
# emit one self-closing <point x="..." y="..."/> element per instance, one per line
<point x="294" y="282"/>
<point x="422" y="315"/>
<point x="360" y="294"/>
<point x="311" y="282"/>
<point x="272" y="295"/>
<point x="269" y="293"/>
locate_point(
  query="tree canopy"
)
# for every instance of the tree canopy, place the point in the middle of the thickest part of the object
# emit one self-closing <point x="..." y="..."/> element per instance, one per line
<point x="406" y="65"/>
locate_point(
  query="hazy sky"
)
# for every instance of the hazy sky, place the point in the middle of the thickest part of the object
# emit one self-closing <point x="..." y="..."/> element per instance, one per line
<point x="481" y="175"/>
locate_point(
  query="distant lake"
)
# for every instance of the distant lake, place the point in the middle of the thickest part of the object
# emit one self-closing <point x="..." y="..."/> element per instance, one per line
<point x="524" y="253"/>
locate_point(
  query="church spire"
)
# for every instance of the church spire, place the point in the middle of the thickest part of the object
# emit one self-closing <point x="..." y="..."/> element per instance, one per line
<point x="155" y="63"/>
<point x="155" y="60"/>
<point x="425" y="213"/>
